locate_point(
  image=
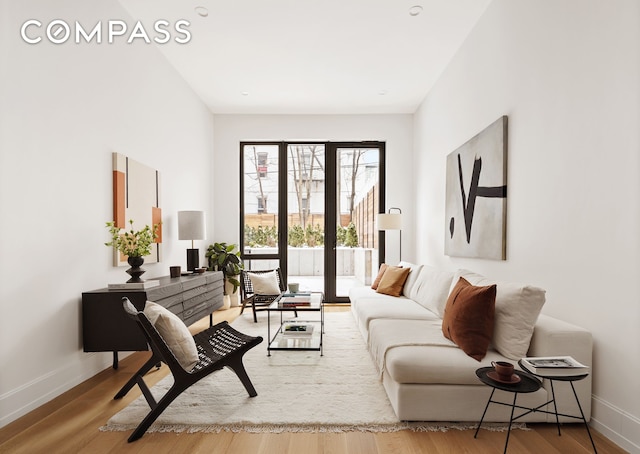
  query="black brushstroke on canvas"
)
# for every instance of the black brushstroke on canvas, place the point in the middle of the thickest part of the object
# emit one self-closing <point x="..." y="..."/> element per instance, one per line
<point x="468" y="206"/>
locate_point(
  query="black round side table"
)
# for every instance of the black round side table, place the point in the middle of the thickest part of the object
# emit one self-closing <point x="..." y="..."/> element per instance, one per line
<point x="527" y="384"/>
<point x="570" y="379"/>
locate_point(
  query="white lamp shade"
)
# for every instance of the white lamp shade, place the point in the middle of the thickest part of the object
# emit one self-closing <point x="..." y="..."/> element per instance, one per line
<point x="191" y="225"/>
<point x="389" y="221"/>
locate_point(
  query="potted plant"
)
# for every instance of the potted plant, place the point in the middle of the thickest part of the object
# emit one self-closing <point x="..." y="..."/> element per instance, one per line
<point x="223" y="257"/>
<point x="134" y="244"/>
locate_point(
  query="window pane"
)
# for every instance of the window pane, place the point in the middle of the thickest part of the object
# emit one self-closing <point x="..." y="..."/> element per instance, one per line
<point x="305" y="199"/>
<point x="357" y="207"/>
<point x="260" y="199"/>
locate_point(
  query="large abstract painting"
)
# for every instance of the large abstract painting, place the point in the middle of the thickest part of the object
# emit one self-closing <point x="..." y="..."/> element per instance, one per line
<point x="136" y="196"/>
<point x="476" y="195"/>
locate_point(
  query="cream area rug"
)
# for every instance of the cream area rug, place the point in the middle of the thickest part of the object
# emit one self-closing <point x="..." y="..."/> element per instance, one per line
<point x="298" y="391"/>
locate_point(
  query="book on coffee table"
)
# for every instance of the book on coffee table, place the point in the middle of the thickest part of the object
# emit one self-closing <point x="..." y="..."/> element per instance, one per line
<point x="297" y="329"/>
<point x="556" y="366"/>
<point x="294" y="301"/>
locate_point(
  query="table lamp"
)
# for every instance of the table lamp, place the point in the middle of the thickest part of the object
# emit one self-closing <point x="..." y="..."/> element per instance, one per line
<point x="191" y="226"/>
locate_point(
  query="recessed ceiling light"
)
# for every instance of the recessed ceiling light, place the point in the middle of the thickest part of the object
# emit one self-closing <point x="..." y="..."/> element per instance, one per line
<point x="245" y="93"/>
<point x="415" y="10"/>
<point x="202" y="11"/>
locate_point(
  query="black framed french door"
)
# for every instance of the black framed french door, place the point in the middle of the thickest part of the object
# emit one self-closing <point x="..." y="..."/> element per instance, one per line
<point x="310" y="208"/>
<point x="355" y="195"/>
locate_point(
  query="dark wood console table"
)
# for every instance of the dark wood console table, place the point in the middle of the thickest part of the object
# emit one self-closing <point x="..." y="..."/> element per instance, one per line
<point x="106" y="327"/>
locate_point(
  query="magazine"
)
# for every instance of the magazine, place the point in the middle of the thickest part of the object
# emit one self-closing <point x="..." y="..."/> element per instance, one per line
<point x="553" y="366"/>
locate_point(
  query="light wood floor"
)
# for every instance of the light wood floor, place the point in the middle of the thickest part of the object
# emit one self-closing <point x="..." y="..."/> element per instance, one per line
<point x="71" y="422"/>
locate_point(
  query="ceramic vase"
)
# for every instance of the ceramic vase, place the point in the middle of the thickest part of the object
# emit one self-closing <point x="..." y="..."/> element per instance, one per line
<point x="135" y="271"/>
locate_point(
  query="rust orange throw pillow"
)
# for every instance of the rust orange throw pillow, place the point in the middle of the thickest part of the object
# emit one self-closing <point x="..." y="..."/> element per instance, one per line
<point x="468" y="317"/>
<point x="393" y="280"/>
<point x="383" y="268"/>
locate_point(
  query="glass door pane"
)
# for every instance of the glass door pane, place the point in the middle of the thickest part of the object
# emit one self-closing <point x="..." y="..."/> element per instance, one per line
<point x="260" y="202"/>
<point x="357" y="204"/>
<point x="305" y="216"/>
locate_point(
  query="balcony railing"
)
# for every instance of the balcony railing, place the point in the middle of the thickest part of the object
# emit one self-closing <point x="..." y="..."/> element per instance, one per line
<point x="358" y="264"/>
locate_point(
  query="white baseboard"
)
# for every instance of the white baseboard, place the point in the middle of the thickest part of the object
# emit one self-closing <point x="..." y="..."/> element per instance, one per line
<point x="617" y="425"/>
<point x="29" y="396"/>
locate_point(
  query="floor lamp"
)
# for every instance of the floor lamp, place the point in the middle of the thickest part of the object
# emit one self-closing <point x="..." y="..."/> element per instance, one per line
<point x="391" y="221"/>
<point x="191" y="226"/>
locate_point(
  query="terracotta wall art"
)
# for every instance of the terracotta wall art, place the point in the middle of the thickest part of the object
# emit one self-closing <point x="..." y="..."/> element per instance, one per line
<point x="136" y="196"/>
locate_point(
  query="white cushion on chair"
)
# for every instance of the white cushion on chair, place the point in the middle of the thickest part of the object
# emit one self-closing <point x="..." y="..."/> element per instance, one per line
<point x="175" y="334"/>
<point x="265" y="283"/>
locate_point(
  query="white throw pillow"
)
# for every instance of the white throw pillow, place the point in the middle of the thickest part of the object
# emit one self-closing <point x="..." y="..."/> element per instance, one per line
<point x="517" y="310"/>
<point x="432" y="288"/>
<point x="265" y="283"/>
<point x="175" y="334"/>
<point x="411" y="279"/>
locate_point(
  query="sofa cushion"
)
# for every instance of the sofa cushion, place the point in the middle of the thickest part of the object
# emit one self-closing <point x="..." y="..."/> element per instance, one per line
<point x="381" y="271"/>
<point x="420" y="360"/>
<point x="175" y="334"/>
<point x="432" y="288"/>
<point x="393" y="280"/>
<point x="516" y="312"/>
<point x="365" y="309"/>
<point x="359" y="292"/>
<point x="412" y="278"/>
<point x="468" y="317"/>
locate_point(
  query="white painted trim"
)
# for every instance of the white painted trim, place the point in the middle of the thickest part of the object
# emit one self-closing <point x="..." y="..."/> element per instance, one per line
<point x="45" y="388"/>
<point x="617" y="425"/>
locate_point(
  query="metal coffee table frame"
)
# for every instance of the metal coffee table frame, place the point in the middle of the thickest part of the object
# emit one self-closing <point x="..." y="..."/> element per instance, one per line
<point x="316" y="340"/>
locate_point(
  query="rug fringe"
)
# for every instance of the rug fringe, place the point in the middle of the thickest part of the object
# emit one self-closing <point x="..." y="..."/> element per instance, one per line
<point x="313" y="428"/>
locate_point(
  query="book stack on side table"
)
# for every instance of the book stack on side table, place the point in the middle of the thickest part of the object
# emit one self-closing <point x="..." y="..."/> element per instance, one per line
<point x="554" y="366"/>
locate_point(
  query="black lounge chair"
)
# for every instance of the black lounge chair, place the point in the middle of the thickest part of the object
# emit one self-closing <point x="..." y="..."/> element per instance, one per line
<point x="218" y="346"/>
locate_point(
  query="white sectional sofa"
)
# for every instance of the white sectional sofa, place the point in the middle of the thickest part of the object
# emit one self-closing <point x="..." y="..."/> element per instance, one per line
<point x="428" y="378"/>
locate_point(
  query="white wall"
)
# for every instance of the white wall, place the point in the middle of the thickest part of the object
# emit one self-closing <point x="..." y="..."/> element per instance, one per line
<point x="64" y="109"/>
<point x="567" y="74"/>
<point x="230" y="130"/>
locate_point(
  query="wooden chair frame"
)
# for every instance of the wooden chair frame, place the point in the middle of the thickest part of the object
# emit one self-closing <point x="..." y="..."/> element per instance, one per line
<point x="218" y="346"/>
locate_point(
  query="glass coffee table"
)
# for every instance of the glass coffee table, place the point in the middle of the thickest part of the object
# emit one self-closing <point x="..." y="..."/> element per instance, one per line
<point x="296" y="333"/>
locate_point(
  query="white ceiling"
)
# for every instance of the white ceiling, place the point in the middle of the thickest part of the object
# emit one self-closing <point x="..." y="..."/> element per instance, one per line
<point x="313" y="56"/>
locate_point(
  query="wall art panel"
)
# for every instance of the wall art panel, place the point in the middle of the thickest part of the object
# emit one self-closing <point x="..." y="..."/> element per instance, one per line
<point x="136" y="196"/>
<point x="476" y="196"/>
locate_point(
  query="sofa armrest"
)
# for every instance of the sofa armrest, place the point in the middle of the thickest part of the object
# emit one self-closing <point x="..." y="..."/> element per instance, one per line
<point x="553" y="337"/>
